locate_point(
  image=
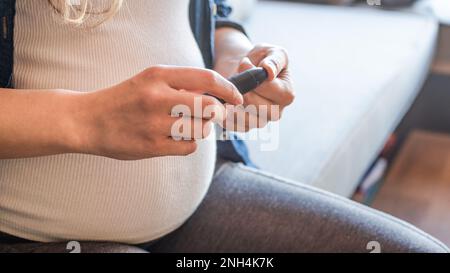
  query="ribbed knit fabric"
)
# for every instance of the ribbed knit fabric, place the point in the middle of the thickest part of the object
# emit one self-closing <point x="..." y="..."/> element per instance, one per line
<point x="83" y="197"/>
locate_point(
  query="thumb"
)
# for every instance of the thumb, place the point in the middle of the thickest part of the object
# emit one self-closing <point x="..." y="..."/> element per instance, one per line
<point x="245" y="65"/>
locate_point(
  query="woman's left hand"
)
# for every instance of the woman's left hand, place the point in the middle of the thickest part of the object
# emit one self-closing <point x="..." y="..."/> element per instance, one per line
<point x="274" y="94"/>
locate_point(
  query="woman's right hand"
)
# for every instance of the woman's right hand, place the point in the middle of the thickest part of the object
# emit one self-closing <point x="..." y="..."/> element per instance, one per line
<point x="133" y="120"/>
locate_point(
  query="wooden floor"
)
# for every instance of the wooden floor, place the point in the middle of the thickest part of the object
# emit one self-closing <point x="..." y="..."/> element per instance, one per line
<point x="441" y="64"/>
<point x="417" y="188"/>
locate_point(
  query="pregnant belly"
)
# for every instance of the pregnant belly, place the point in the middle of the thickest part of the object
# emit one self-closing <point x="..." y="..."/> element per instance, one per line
<point x="83" y="197"/>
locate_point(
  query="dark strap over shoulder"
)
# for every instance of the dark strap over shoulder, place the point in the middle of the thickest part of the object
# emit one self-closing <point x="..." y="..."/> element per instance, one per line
<point x="7" y="12"/>
<point x="202" y="23"/>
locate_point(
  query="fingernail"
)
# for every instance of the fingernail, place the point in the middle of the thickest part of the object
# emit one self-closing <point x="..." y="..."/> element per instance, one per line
<point x="240" y="99"/>
<point x="273" y="68"/>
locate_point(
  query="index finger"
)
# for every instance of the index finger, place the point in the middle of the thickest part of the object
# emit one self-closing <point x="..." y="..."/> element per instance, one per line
<point x="200" y="80"/>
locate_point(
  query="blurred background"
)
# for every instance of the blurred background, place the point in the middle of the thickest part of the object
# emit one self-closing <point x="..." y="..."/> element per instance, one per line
<point x="372" y="116"/>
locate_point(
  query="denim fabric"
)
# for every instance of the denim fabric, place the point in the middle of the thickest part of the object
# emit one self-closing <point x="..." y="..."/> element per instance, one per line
<point x="7" y="12"/>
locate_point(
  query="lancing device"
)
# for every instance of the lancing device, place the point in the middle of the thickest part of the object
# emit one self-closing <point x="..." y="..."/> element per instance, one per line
<point x="249" y="80"/>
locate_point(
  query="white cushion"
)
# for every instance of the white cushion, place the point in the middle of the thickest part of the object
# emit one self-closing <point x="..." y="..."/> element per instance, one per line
<point x="242" y="9"/>
<point x="356" y="72"/>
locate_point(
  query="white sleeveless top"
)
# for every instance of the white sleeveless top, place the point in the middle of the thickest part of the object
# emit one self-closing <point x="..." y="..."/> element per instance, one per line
<point x="84" y="197"/>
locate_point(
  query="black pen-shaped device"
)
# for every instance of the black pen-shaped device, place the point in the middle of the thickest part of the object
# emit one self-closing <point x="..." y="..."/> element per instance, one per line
<point x="249" y="80"/>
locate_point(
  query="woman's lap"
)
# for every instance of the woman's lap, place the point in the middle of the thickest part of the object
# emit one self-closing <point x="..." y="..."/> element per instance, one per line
<point x="247" y="210"/>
